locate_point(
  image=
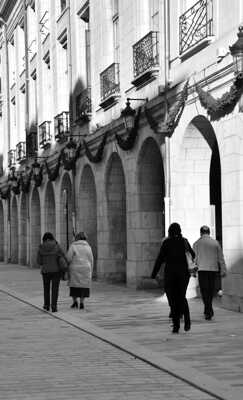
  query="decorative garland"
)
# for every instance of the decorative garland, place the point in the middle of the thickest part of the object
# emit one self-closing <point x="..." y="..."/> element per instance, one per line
<point x="99" y="154"/>
<point x="52" y="175"/>
<point x="25" y="182"/>
<point x="6" y="194"/>
<point x="218" y="108"/>
<point x="168" y="126"/>
<point x="129" y="141"/>
<point x="16" y="189"/>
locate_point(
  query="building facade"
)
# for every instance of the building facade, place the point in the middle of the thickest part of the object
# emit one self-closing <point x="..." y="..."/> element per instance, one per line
<point x="73" y="74"/>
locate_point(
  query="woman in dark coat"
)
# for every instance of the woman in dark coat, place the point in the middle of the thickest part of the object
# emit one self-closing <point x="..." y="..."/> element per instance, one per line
<point x="176" y="274"/>
<point x="47" y="257"/>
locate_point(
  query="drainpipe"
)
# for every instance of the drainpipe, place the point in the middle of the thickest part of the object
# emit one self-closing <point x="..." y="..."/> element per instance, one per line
<point x="71" y="115"/>
<point x="4" y="24"/>
<point x="167" y="198"/>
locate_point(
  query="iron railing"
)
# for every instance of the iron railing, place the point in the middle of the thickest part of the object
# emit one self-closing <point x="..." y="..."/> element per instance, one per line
<point x="195" y="24"/>
<point x="145" y="53"/>
<point x="11" y="158"/>
<point x="109" y="81"/>
<point x="61" y="125"/>
<point x="44" y="134"/>
<point x="31" y="144"/>
<point x="21" y="151"/>
<point x="83" y="103"/>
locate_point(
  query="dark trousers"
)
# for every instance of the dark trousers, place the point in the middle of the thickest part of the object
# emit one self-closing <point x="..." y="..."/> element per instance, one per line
<point x="207" y="281"/>
<point x="51" y="280"/>
<point x="175" y="289"/>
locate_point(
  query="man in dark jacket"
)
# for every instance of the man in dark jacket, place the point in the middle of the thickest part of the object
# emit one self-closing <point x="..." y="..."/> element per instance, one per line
<point x="48" y="254"/>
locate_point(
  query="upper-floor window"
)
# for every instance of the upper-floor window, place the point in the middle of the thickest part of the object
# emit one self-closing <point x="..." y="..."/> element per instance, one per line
<point x="63" y="5"/>
<point x="154" y="15"/>
<point x="116" y="39"/>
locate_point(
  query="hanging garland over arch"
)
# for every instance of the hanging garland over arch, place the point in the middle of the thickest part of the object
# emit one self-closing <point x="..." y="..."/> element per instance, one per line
<point x="96" y="158"/>
<point x="6" y="194"/>
<point x="168" y="126"/>
<point x="219" y="107"/>
<point x="129" y="141"/>
<point x="52" y="175"/>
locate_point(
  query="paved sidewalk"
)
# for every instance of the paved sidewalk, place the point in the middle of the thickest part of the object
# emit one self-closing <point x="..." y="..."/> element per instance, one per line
<point x="210" y="356"/>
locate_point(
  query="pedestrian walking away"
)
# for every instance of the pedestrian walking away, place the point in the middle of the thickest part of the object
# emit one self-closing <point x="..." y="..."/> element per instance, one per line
<point x="80" y="259"/>
<point x="210" y="262"/>
<point x="47" y="258"/>
<point x="176" y="274"/>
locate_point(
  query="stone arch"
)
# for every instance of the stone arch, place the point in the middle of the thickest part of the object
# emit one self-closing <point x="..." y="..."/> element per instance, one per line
<point x="23" y="258"/>
<point x="1" y="232"/>
<point x="87" y="207"/>
<point x="66" y="198"/>
<point x="197" y="186"/>
<point x="35" y="226"/>
<point x="14" y="234"/>
<point x="50" y="209"/>
<point x="151" y="192"/>
<point x="115" y="190"/>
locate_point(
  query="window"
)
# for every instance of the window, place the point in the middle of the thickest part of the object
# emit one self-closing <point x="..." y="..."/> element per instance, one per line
<point x="116" y="40"/>
<point x="154" y="15"/>
<point x="63" y="5"/>
<point x="115" y="7"/>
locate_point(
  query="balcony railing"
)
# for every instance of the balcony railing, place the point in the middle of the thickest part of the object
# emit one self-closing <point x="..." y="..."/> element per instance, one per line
<point x="196" y="24"/>
<point x="145" y="54"/>
<point x="11" y="158"/>
<point x="31" y="144"/>
<point x="83" y="105"/>
<point x="44" y="134"/>
<point x="61" y="125"/>
<point x="21" y="151"/>
<point x="109" y="81"/>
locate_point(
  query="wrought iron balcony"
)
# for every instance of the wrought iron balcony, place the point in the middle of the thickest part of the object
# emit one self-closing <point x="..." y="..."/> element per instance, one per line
<point x="62" y="126"/>
<point x="21" y="151"/>
<point x="31" y="144"/>
<point x="44" y="134"/>
<point x="11" y="158"/>
<point x="83" y="105"/>
<point x="145" y="59"/>
<point x="196" y="25"/>
<point x="110" y="86"/>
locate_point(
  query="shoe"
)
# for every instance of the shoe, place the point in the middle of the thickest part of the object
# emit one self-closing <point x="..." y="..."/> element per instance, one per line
<point x="47" y="308"/>
<point x="208" y="317"/>
<point x="74" y="305"/>
<point x="54" y="309"/>
<point x="187" y="326"/>
<point x="81" y="307"/>
<point x="175" y="330"/>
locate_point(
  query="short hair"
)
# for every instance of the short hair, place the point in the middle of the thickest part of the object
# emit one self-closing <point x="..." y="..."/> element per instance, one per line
<point x="174" y="230"/>
<point x="48" y="236"/>
<point x="80" y="236"/>
<point x="204" y="230"/>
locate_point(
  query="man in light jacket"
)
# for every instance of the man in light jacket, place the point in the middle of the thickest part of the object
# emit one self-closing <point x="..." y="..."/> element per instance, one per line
<point x="210" y="261"/>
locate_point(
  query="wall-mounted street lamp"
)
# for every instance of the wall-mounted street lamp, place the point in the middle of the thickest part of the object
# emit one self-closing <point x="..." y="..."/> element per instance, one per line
<point x="70" y="150"/>
<point x="128" y="113"/>
<point x="236" y="50"/>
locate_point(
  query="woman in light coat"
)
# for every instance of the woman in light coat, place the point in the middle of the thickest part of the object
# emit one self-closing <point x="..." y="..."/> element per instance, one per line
<point x="80" y="259"/>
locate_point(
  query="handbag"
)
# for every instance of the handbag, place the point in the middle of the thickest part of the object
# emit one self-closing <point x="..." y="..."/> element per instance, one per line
<point x="192" y="267"/>
<point x="62" y="264"/>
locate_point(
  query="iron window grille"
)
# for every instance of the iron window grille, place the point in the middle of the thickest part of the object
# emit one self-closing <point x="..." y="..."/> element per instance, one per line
<point x="109" y="81"/>
<point x="83" y="104"/>
<point x="145" y="53"/>
<point x="61" y="125"/>
<point x="44" y="134"/>
<point x="21" y="151"/>
<point x="11" y="158"/>
<point x="195" y="25"/>
<point x="31" y="144"/>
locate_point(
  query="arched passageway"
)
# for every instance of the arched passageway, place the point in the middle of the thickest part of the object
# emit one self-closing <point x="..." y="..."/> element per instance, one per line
<point x="35" y="226"/>
<point x="50" y="210"/>
<point x="23" y="259"/>
<point x="151" y="192"/>
<point x="87" y="206"/>
<point x="116" y="218"/>
<point x="66" y="225"/>
<point x="197" y="188"/>
<point x="14" y="234"/>
<point x="1" y="232"/>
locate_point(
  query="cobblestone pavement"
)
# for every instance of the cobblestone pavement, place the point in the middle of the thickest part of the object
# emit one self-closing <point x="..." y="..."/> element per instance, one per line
<point x="43" y="357"/>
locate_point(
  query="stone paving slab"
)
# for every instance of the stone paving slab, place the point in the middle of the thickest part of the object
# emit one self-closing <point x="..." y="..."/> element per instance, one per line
<point x="140" y="319"/>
